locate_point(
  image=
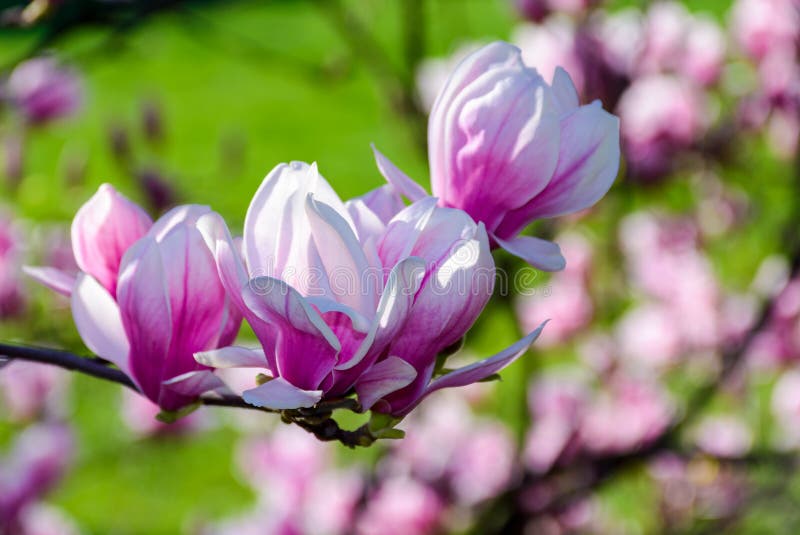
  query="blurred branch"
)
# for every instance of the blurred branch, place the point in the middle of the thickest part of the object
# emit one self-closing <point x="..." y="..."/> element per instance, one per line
<point x="316" y="420"/>
<point x="397" y="84"/>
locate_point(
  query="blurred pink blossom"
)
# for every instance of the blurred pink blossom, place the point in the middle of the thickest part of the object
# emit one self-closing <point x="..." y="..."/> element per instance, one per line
<point x="43" y="90"/>
<point x="724" y="436"/>
<point x="550" y="45"/>
<point x="29" y="390"/>
<point x="681" y="43"/>
<point x="764" y="26"/>
<point x="556" y="402"/>
<point x="37" y="460"/>
<point x="12" y="294"/>
<point x="401" y="506"/>
<point x="630" y="414"/>
<point x="474" y="458"/>
<point x="786" y="409"/>
<point x="660" y="116"/>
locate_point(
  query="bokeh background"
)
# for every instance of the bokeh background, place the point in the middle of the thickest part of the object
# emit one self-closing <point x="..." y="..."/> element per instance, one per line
<point x="664" y="399"/>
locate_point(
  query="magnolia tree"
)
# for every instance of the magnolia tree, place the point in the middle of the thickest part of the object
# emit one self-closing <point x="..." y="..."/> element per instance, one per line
<point x="357" y="304"/>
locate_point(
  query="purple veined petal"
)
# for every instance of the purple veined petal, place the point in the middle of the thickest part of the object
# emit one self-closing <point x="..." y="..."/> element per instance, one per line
<point x="367" y="223"/>
<point x="398" y="297"/>
<point x="197" y="297"/>
<point x="306" y="349"/>
<point x="232" y="357"/>
<point x="500" y="140"/>
<point x="55" y="279"/>
<point x="473" y="66"/>
<point x="539" y="253"/>
<point x="196" y="383"/>
<point x="102" y="230"/>
<point x="397" y="178"/>
<point x="587" y="166"/>
<point x="99" y="321"/>
<point x="144" y="302"/>
<point x="230" y="267"/>
<point x="384" y="201"/>
<point x="279" y="394"/>
<point x="341" y="255"/>
<point x="404" y="230"/>
<point x="230" y="324"/>
<point x="482" y="369"/>
<point x="187" y="213"/>
<point x="234" y="277"/>
<point x="276" y="232"/>
<point x="325" y="304"/>
<point x="383" y="378"/>
<point x="566" y="96"/>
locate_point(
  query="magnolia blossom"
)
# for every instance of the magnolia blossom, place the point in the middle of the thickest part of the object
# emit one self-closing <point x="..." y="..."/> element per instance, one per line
<point x="508" y="149"/>
<point x="36" y="462"/>
<point x="724" y="436"/>
<point x="786" y="409"/>
<point x="12" y="296"/>
<point x="536" y="10"/>
<point x="360" y="295"/>
<point x="764" y="26"/>
<point x="630" y="414"/>
<point x="29" y="390"/>
<point x="43" y="90"/>
<point x="661" y="115"/>
<point x="677" y="41"/>
<point x="401" y="505"/>
<point x="148" y="295"/>
<point x="474" y="460"/>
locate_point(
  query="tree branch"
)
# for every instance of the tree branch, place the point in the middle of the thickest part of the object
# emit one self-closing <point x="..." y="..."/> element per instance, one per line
<point x="316" y="420"/>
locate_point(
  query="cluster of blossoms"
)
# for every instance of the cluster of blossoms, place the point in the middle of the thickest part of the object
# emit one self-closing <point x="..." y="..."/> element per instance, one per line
<point x="414" y="490"/>
<point x="344" y="297"/>
<point x="36" y="92"/>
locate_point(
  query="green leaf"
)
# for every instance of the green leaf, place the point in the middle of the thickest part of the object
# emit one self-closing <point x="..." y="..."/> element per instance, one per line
<point x="170" y="417"/>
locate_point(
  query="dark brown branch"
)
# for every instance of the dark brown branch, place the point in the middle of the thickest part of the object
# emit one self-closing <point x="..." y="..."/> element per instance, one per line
<point x="89" y="366"/>
<point x="316" y="420"/>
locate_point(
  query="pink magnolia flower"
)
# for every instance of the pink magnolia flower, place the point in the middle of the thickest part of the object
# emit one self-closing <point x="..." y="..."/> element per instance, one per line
<point x="724" y="436"/>
<point x="401" y="506"/>
<point x="43" y="90"/>
<point x="786" y="409"/>
<point x="630" y="414"/>
<point x="299" y="489"/>
<point x="508" y="148"/>
<point x="475" y="459"/>
<point x="36" y="462"/>
<point x="537" y="10"/>
<point x="12" y="296"/>
<point x="678" y="42"/>
<point x="148" y="296"/>
<point x="647" y="336"/>
<point x="556" y="402"/>
<point x="352" y="295"/>
<point x="660" y="116"/>
<point x="763" y="26"/>
<point x="29" y="390"/>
